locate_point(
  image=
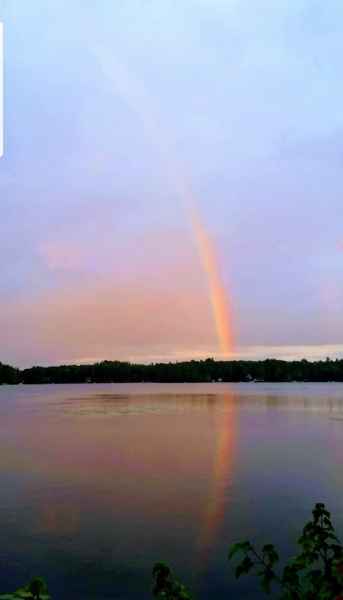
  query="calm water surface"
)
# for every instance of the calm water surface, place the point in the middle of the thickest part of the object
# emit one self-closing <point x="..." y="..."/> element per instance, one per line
<point x="97" y="482"/>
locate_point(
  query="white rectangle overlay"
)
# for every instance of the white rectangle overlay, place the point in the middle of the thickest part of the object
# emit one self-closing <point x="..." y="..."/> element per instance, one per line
<point x="1" y="89"/>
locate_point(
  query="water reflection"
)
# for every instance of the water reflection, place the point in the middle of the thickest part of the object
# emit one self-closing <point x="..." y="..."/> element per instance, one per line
<point x="58" y="515"/>
<point x="99" y="482"/>
<point x="222" y="473"/>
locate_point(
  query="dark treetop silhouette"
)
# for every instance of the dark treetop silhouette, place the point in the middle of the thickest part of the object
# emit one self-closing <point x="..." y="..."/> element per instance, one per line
<point x="196" y="371"/>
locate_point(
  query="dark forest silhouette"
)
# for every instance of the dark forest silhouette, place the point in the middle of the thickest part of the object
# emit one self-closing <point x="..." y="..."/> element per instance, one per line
<point x="192" y="371"/>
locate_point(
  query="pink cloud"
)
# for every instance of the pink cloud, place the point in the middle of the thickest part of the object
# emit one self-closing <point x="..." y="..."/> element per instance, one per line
<point x="160" y="308"/>
<point x="63" y="255"/>
<point x="69" y="255"/>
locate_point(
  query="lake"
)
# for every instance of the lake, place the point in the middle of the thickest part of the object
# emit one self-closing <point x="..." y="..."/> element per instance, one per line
<point x="99" y="481"/>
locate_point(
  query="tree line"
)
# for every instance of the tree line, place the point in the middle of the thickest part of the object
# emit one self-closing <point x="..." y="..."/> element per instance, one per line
<point x="190" y="371"/>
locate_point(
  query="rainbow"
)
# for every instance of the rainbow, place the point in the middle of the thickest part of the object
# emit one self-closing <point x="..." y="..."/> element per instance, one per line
<point x="132" y="91"/>
<point x="223" y="464"/>
<point x="136" y="97"/>
<point x="220" y="306"/>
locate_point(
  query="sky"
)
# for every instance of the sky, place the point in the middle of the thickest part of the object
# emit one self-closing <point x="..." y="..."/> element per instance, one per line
<point x="122" y="120"/>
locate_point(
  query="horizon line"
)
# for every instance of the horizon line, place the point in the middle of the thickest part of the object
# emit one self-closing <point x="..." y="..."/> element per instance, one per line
<point x="173" y="362"/>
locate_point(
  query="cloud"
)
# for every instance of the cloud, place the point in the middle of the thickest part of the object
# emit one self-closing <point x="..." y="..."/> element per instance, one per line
<point x="64" y="256"/>
<point x="102" y="319"/>
<point x="157" y="306"/>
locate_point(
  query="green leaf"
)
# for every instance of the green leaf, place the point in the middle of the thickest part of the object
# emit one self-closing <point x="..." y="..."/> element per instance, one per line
<point x="266" y="580"/>
<point x="239" y="547"/>
<point x="161" y="568"/>
<point x="270" y="552"/>
<point x="244" y="567"/>
<point x="290" y="576"/>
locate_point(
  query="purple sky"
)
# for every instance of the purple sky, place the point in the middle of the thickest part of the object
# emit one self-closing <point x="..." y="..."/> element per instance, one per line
<point x="108" y="107"/>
